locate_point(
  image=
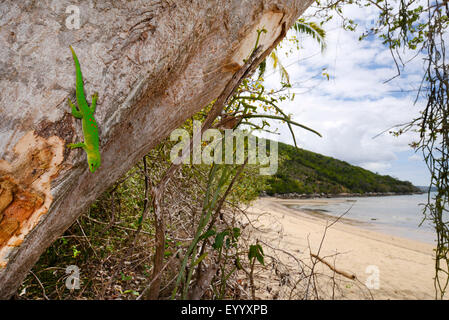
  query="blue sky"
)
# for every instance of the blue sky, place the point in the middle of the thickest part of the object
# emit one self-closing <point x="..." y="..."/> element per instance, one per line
<point x="355" y="104"/>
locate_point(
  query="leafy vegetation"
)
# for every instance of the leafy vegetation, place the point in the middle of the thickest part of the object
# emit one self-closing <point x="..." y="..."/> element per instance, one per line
<point x="114" y="247"/>
<point x="305" y="172"/>
<point x="115" y="244"/>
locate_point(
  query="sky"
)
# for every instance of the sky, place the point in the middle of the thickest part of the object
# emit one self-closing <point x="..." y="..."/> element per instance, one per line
<point x="355" y="104"/>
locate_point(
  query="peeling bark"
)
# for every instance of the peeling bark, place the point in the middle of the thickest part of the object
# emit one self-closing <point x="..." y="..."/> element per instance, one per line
<point x="154" y="64"/>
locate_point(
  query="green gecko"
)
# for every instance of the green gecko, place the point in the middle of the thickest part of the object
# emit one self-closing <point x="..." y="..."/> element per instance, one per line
<point x="86" y="113"/>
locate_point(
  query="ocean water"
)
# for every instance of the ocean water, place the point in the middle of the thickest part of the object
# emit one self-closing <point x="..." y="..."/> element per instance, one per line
<point x="396" y="215"/>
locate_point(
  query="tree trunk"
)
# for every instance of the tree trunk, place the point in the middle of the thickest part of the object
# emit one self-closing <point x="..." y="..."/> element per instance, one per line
<point x="153" y="63"/>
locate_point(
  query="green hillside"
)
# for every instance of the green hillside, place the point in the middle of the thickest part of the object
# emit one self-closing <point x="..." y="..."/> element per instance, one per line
<point x="306" y="172"/>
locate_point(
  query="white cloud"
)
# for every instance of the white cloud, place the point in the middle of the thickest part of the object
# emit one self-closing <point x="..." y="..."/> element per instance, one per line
<point x="355" y="104"/>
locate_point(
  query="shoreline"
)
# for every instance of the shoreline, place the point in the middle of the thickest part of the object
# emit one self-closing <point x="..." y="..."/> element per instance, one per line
<point x="301" y="196"/>
<point x="406" y="267"/>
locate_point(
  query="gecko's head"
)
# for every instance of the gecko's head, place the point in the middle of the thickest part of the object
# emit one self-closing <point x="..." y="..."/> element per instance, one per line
<point x="94" y="163"/>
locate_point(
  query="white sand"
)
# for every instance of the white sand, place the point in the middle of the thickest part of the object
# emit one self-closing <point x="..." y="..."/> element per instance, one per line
<point x="406" y="267"/>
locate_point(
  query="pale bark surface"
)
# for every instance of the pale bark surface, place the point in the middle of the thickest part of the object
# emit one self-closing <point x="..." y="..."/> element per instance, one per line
<point x="153" y="63"/>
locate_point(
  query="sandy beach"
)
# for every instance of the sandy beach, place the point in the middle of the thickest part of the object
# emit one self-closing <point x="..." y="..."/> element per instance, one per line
<point x="402" y="268"/>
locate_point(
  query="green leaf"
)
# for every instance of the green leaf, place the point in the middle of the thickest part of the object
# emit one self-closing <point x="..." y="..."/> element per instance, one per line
<point x="236" y="233"/>
<point x="125" y="277"/>
<point x="219" y="239"/>
<point x="256" y="252"/>
<point x="201" y="258"/>
<point x="207" y="234"/>
<point x="133" y="292"/>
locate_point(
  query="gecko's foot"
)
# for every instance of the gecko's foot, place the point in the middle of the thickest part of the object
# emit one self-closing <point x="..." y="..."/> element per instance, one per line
<point x="75" y="145"/>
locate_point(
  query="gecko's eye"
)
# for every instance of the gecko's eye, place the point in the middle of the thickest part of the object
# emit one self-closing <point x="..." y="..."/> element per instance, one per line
<point x="93" y="165"/>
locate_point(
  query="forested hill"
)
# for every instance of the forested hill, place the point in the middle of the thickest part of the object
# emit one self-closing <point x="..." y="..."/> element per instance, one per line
<point x="304" y="172"/>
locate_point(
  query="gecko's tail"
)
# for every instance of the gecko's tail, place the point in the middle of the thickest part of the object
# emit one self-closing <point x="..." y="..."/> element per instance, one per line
<point x="79" y="77"/>
<point x="75" y="58"/>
